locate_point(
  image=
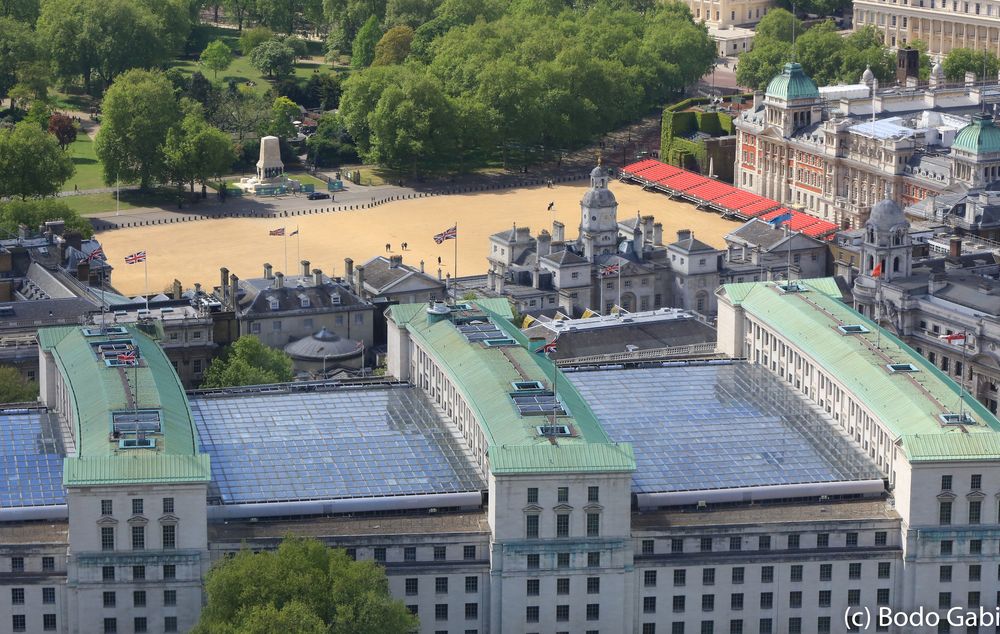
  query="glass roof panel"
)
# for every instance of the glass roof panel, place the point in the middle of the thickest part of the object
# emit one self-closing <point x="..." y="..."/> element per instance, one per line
<point x="31" y="459"/>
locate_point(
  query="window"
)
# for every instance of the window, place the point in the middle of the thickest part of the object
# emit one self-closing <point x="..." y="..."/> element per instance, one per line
<point x="880" y="538"/>
<point x="109" y="599"/>
<point x="976" y="482"/>
<point x="735" y="543"/>
<point x="975" y="546"/>
<point x="854" y="597"/>
<point x="593" y="494"/>
<point x="593" y="585"/>
<point x="531" y="526"/>
<point x="440" y="611"/>
<point x="676" y="545"/>
<point x="946" y="483"/>
<point x="532" y="588"/>
<point x="647" y="547"/>
<point x="169" y="537"/>
<point x="562" y="525"/>
<point x="593" y="611"/>
<point x="170" y="598"/>
<point x="410" y="553"/>
<point x="562" y="585"/>
<point x="19" y="623"/>
<point x="946" y="546"/>
<point x="108" y="573"/>
<point x="765" y="626"/>
<point x="17" y="596"/>
<point x="852" y="540"/>
<point x="106" y="507"/>
<point x="412" y="586"/>
<point x="168" y="505"/>
<point x="48" y="596"/>
<point x="562" y="560"/>
<point x="680" y="577"/>
<point x="49" y="622"/>
<point x="854" y="570"/>
<point x="738" y="574"/>
<point x="107" y="538"/>
<point x="468" y="552"/>
<point x="708" y="576"/>
<point x="532" y="562"/>
<point x="975" y="572"/>
<point x="650" y="628"/>
<point x="440" y="553"/>
<point x="944" y="574"/>
<point x="678" y="605"/>
<point x="708" y="627"/>
<point x="705" y="544"/>
<point x="139" y="623"/>
<point x="413" y="609"/>
<point x="825" y="598"/>
<point x="793" y="542"/>
<point x="169" y="571"/>
<point x="884" y="568"/>
<point x="562" y="495"/>
<point x="736" y="601"/>
<point x="138" y="537"/>
<point x="139" y="599"/>
<point x="795" y="625"/>
<point x="378" y="554"/>
<point x="137" y="506"/>
<point x="593" y="524"/>
<point x="944" y="513"/>
<point x="825" y="572"/>
<point x="471" y="611"/>
<point x="975" y="511"/>
<point x="48" y="564"/>
<point x="170" y="624"/>
<point x="531" y="614"/>
<point x="532" y="495"/>
<point x="649" y="579"/>
<point x="593" y="559"/>
<point x="562" y="613"/>
<point x="767" y="574"/>
<point x="766" y="600"/>
<point x="764" y="542"/>
<point x="138" y="573"/>
<point x="441" y="585"/>
<point x="707" y="602"/>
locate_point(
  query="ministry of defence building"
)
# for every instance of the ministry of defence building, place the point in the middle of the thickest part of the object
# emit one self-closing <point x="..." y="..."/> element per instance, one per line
<point x="825" y="467"/>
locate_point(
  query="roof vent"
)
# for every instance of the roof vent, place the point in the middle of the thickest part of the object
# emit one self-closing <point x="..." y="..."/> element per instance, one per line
<point x="147" y="421"/>
<point x="553" y="430"/>
<point x="852" y="329"/>
<point x="957" y="419"/>
<point x="901" y="367"/>
<point x="791" y="287"/>
<point x="499" y="343"/>
<point x="137" y="443"/>
<point x="101" y="332"/>
<point x="527" y="386"/>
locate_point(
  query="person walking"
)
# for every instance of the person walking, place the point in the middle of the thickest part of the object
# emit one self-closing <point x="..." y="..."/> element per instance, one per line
<point x="388" y="247"/>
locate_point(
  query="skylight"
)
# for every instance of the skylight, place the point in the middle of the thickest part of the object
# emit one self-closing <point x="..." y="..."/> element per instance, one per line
<point x="852" y="329"/>
<point x="144" y="420"/>
<point x="553" y="430"/>
<point x="901" y="367"/>
<point x="957" y="419"/>
<point x="537" y="403"/>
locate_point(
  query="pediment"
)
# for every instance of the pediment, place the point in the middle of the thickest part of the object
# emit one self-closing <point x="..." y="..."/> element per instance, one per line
<point x="976" y="495"/>
<point x="946" y="496"/>
<point x="137" y="520"/>
<point x="107" y="521"/>
<point x="562" y="508"/>
<point x="532" y="508"/>
<point x="169" y="518"/>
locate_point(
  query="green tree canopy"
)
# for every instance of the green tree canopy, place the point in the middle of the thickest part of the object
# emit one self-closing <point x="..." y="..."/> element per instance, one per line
<point x="363" y="48"/>
<point x="778" y="24"/>
<point x="393" y="47"/>
<point x="196" y="151"/>
<point x="14" y="388"/>
<point x="303" y="587"/>
<point x="35" y="212"/>
<point x="964" y="60"/>
<point x="63" y="129"/>
<point x="283" y="112"/>
<point x="252" y="38"/>
<point x="31" y="162"/>
<point x="331" y="145"/>
<point x="273" y="57"/>
<point x="248" y="362"/>
<point x="216" y="57"/>
<point x="17" y="48"/>
<point x="139" y="109"/>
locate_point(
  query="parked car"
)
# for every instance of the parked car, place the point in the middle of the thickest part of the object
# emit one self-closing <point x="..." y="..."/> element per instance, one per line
<point x="318" y="196"/>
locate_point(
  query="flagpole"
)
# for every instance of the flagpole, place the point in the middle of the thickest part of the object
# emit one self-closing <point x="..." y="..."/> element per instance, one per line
<point x="600" y="280"/>
<point x="145" y="267"/>
<point x="285" y="235"/>
<point x="455" y="281"/>
<point x="298" y="244"/>
<point x="619" y="287"/>
<point x="961" y="385"/>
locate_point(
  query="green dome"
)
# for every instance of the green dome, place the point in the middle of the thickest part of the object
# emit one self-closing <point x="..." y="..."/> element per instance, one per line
<point x="979" y="137"/>
<point x="792" y="84"/>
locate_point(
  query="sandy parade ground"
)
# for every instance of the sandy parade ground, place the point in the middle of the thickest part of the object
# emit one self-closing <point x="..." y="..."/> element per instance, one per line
<point x="194" y="251"/>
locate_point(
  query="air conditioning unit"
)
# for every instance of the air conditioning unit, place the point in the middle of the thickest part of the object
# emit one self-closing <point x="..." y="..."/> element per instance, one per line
<point x="702" y="504"/>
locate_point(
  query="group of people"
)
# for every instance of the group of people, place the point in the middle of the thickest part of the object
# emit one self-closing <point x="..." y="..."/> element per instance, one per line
<point x="404" y="246"/>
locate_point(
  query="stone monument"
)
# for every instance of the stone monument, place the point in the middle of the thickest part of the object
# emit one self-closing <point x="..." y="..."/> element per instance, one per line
<point x="270" y="178"/>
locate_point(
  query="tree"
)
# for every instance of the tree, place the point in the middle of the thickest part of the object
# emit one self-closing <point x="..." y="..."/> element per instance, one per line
<point x="273" y="57"/>
<point x="758" y="67"/>
<point x="959" y="61"/>
<point x="139" y="110"/>
<point x="196" y="151"/>
<point x="778" y="24"/>
<point x="279" y="14"/>
<point x="248" y="362"/>
<point x="14" y="388"/>
<point x="239" y="9"/>
<point x="252" y="38"/>
<point x="283" y="112"/>
<point x="216" y="57"/>
<point x="25" y="11"/>
<point x="242" y="112"/>
<point x="37" y="211"/>
<point x="63" y="129"/>
<point x="17" y="47"/>
<point x="31" y="161"/>
<point x="363" y="49"/>
<point x="409" y="124"/>
<point x="393" y="47"/>
<point x="331" y="144"/>
<point x="322" y="91"/>
<point x="303" y="587"/>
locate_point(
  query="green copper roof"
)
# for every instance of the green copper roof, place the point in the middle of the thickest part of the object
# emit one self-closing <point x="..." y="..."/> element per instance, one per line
<point x="96" y="391"/>
<point x="792" y="84"/>
<point x="908" y="403"/>
<point x="979" y="137"/>
<point x="484" y="375"/>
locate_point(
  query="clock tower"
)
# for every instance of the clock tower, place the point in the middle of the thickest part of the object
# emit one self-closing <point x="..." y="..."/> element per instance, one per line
<point x="598" y="217"/>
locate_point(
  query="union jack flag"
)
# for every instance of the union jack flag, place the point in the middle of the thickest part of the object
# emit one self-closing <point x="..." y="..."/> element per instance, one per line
<point x="447" y="234"/>
<point x="96" y="253"/>
<point x="127" y="357"/>
<point x="611" y="269"/>
<point x="135" y="258"/>
<point x="276" y="232"/>
<point x="958" y="337"/>
<point x="548" y="348"/>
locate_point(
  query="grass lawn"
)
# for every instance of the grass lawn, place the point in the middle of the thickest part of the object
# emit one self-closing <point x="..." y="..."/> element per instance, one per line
<point x="305" y="179"/>
<point x="88" y="173"/>
<point x="92" y="204"/>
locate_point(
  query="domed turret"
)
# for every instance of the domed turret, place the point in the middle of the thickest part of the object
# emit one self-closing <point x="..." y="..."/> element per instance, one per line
<point x="979" y="137"/>
<point x="792" y="84"/>
<point x="885" y="215"/>
<point x="868" y="76"/>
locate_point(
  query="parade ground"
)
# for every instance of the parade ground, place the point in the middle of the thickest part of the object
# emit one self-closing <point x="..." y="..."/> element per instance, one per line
<point x="194" y="251"/>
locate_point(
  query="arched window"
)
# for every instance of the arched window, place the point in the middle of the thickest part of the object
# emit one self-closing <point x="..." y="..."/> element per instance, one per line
<point x="895" y="265"/>
<point x="871" y="263"/>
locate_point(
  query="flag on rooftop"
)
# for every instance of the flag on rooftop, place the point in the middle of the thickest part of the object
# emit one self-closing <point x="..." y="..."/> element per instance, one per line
<point x="294" y="233"/>
<point x="590" y="313"/>
<point x="548" y="348"/>
<point x="135" y="258"/>
<point x="958" y="337"/>
<point x="877" y="271"/>
<point x="777" y="221"/>
<point x="447" y="234"/>
<point x="276" y="232"/>
<point x="611" y="269"/>
<point x="127" y="357"/>
<point x="96" y="253"/>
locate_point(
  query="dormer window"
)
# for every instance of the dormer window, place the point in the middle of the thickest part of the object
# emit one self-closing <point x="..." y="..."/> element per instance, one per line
<point x="272" y="303"/>
<point x="304" y="300"/>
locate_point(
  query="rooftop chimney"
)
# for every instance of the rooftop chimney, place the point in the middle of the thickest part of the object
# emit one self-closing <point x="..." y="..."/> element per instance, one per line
<point x="349" y="270"/>
<point x="305" y="268"/>
<point x="83" y="271"/>
<point x="657" y="233"/>
<point x="224" y="284"/>
<point x="395" y="261"/>
<point x="279" y="280"/>
<point x="317" y="277"/>
<point x="647" y="229"/>
<point x="268" y="275"/>
<point x="421" y="266"/>
<point x="361" y="280"/>
<point x="558" y="231"/>
<point x="544" y="243"/>
<point x="935" y="282"/>
<point x="197" y="288"/>
<point x="234" y="292"/>
<point x="683" y="234"/>
<point x="177" y="289"/>
<point x="955" y="247"/>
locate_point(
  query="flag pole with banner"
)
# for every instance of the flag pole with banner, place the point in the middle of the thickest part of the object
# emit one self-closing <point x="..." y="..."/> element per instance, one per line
<point x="135" y="258"/>
<point x="450" y="234"/>
<point x="280" y="231"/>
<point x="298" y="244"/>
<point x="454" y="283"/>
<point x="546" y="350"/>
<point x="951" y="339"/>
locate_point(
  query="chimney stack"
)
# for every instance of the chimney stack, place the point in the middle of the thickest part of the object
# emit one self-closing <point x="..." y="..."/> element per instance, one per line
<point x="683" y="234"/>
<point x="317" y="277"/>
<point x="421" y="266"/>
<point x="279" y="280"/>
<point x="268" y="274"/>
<point x="224" y="285"/>
<point x="83" y="271"/>
<point x="395" y="261"/>
<point x="647" y="229"/>
<point x="361" y="280"/>
<point x="658" y="233"/>
<point x="955" y="247"/>
<point x="758" y="99"/>
<point x="558" y="231"/>
<point x="234" y="289"/>
<point x="197" y="288"/>
<point x="305" y="268"/>
<point x="349" y="270"/>
<point x="935" y="282"/>
<point x="177" y="289"/>
<point x="544" y="243"/>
